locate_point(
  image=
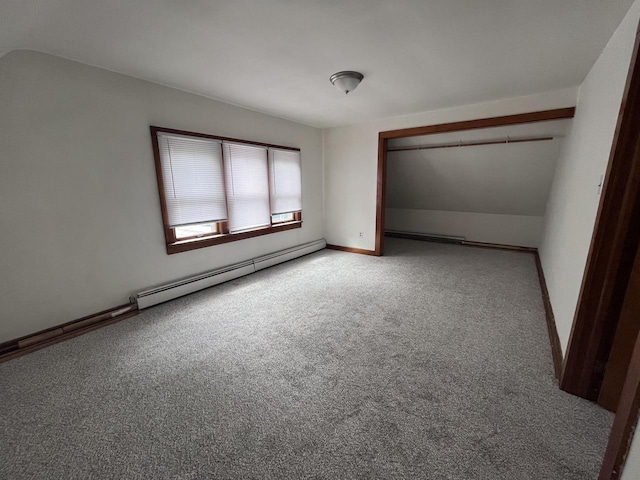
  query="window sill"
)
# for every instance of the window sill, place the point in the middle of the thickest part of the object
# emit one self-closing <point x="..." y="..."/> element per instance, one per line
<point x="202" y="242"/>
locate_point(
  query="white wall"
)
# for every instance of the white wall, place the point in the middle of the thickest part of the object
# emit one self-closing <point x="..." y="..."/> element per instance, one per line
<point x="512" y="179"/>
<point x="574" y="197"/>
<point x="489" y="193"/>
<point x="631" y="469"/>
<point x="520" y="230"/>
<point x="81" y="222"/>
<point x="351" y="159"/>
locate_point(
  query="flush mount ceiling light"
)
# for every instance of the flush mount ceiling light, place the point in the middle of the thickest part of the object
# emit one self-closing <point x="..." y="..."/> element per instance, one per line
<point x="346" y="81"/>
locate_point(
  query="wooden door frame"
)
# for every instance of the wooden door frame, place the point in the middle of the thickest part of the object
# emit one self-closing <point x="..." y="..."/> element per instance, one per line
<point x="625" y="421"/>
<point x="615" y="239"/>
<point x="384" y="137"/>
<point x="615" y="242"/>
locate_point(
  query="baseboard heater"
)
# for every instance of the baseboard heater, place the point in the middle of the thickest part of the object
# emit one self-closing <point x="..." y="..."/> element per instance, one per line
<point x="35" y="341"/>
<point x="185" y="286"/>
<point x="427" y="237"/>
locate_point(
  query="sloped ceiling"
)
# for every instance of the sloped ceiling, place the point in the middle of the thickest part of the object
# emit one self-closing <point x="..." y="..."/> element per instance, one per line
<point x="510" y="179"/>
<point x="276" y="56"/>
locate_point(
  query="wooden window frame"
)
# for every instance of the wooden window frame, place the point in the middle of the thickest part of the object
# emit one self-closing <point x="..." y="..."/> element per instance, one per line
<point x="175" y="245"/>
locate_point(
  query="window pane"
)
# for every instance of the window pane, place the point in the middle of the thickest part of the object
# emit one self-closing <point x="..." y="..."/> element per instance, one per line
<point x="193" y="180"/>
<point x="284" y="176"/>
<point x="282" y="217"/>
<point x="247" y="181"/>
<point x="195" y="230"/>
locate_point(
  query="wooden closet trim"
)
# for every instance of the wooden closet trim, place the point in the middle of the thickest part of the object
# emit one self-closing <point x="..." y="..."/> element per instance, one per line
<point x="384" y="137"/>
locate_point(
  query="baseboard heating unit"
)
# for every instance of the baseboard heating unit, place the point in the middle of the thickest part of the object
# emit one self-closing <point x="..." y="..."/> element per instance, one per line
<point x="427" y="237"/>
<point x="185" y="286"/>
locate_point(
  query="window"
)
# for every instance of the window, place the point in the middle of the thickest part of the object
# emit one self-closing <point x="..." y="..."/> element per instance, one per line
<point x="198" y="230"/>
<point x="282" y="217"/>
<point x="216" y="190"/>
<point x="247" y="179"/>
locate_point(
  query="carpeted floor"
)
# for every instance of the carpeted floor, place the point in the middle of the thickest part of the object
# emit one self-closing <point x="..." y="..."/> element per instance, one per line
<point x="432" y="362"/>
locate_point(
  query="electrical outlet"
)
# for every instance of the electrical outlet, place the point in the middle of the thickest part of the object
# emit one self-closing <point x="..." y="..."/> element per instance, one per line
<point x="360" y="234"/>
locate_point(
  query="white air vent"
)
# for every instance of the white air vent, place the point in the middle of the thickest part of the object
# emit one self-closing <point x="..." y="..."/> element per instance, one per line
<point x="193" y="284"/>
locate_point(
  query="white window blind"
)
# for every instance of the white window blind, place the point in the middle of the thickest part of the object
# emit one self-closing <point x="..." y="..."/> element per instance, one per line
<point x="286" y="188"/>
<point x="193" y="179"/>
<point x="247" y="180"/>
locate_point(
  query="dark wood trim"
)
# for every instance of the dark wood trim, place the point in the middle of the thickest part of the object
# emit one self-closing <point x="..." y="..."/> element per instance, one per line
<point x="202" y="242"/>
<point x="155" y="130"/>
<point x="225" y="223"/>
<point x="352" y="250"/>
<point x="50" y="336"/>
<point x="625" y="421"/>
<point x="499" y="246"/>
<point x="469" y="144"/>
<point x="532" y="117"/>
<point x="552" y="329"/>
<point x="383" y="146"/>
<point x="169" y="233"/>
<point x="68" y="324"/>
<point x="614" y="243"/>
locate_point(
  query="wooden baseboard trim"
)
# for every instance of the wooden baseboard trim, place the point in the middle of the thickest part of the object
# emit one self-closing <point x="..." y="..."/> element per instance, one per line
<point x="44" y="338"/>
<point x="556" y="349"/>
<point x="499" y="246"/>
<point x="351" y="250"/>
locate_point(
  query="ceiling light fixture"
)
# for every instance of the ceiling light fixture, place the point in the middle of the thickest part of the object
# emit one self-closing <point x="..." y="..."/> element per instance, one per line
<point x="346" y="81"/>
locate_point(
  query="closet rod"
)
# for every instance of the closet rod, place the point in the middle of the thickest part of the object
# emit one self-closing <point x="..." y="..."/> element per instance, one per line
<point x="470" y="144"/>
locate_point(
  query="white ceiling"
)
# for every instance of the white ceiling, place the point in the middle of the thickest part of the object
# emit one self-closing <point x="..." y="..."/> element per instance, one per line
<point x="276" y="56"/>
<point x="513" y="179"/>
